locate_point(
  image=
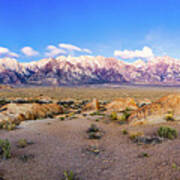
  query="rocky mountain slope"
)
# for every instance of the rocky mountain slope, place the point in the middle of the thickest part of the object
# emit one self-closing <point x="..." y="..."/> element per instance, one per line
<point x="90" y="70"/>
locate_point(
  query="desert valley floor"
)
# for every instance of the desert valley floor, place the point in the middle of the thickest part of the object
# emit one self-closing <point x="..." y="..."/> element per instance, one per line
<point x="57" y="145"/>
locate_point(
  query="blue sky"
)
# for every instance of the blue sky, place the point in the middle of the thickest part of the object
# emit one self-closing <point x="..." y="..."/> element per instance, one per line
<point x="34" y="29"/>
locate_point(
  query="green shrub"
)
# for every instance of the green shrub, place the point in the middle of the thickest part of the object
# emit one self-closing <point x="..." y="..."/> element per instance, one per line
<point x="174" y="165"/>
<point x="169" y="117"/>
<point x="114" y="116"/>
<point x="124" y="131"/>
<point x="94" y="132"/>
<point x="94" y="135"/>
<point x="135" y="135"/>
<point x="7" y="125"/>
<point x="97" y="113"/>
<point x="143" y="155"/>
<point x="5" y="149"/>
<point x="167" y="132"/>
<point x="69" y="175"/>
<point x="93" y="128"/>
<point x="22" y="143"/>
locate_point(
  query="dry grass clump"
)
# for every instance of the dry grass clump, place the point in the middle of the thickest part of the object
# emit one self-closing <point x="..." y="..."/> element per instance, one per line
<point x="134" y="135"/>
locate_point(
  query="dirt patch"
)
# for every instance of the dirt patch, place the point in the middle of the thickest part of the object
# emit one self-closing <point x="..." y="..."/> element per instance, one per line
<point x="63" y="145"/>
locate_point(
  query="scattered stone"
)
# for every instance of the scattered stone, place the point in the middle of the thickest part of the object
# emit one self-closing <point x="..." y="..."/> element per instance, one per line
<point x="148" y="140"/>
<point x="93" y="149"/>
<point x="26" y="157"/>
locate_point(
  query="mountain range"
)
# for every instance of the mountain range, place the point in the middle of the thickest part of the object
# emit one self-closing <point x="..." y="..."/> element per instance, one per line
<point x="90" y="70"/>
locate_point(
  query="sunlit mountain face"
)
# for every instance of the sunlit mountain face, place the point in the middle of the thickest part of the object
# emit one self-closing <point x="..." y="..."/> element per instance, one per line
<point x="90" y="70"/>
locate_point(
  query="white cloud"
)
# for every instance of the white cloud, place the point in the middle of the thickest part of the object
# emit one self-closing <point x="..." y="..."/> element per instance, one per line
<point x="54" y="51"/>
<point x="7" y="52"/>
<point x="145" y="53"/>
<point x="87" y="51"/>
<point x="29" y="51"/>
<point x="12" y="54"/>
<point x="71" y="48"/>
<point x="4" y="50"/>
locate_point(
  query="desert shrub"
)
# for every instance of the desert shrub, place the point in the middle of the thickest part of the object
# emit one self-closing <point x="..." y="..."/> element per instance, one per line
<point x="125" y="114"/>
<point x="5" y="149"/>
<point x="94" y="135"/>
<point x="93" y="128"/>
<point x="134" y="135"/>
<point x="22" y="143"/>
<point x="174" y="165"/>
<point x="124" y="131"/>
<point x="69" y="175"/>
<point x="62" y="118"/>
<point x="169" y="117"/>
<point x="8" y="125"/>
<point x="71" y="114"/>
<point x="114" y="116"/>
<point x="143" y="155"/>
<point x="97" y="113"/>
<point x="94" y="132"/>
<point x="167" y="132"/>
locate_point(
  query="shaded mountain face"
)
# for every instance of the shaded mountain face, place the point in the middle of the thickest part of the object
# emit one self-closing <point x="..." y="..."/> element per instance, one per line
<point x="90" y="70"/>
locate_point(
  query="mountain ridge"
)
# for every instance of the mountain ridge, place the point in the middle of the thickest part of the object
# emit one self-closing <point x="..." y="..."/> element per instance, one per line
<point x="90" y="70"/>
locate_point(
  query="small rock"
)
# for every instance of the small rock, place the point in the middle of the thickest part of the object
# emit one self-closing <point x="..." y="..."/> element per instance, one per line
<point x="148" y="140"/>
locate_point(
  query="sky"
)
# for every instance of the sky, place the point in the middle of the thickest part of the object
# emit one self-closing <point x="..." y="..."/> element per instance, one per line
<point x="126" y="29"/>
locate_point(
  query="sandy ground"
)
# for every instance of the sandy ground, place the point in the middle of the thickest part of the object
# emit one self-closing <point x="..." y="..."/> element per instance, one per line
<point x="61" y="145"/>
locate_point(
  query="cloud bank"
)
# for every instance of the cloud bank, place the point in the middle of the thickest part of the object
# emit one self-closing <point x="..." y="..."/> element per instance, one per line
<point x="145" y="53"/>
<point x="29" y="51"/>
<point x="54" y="51"/>
<point x="7" y="52"/>
<point x="70" y="47"/>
